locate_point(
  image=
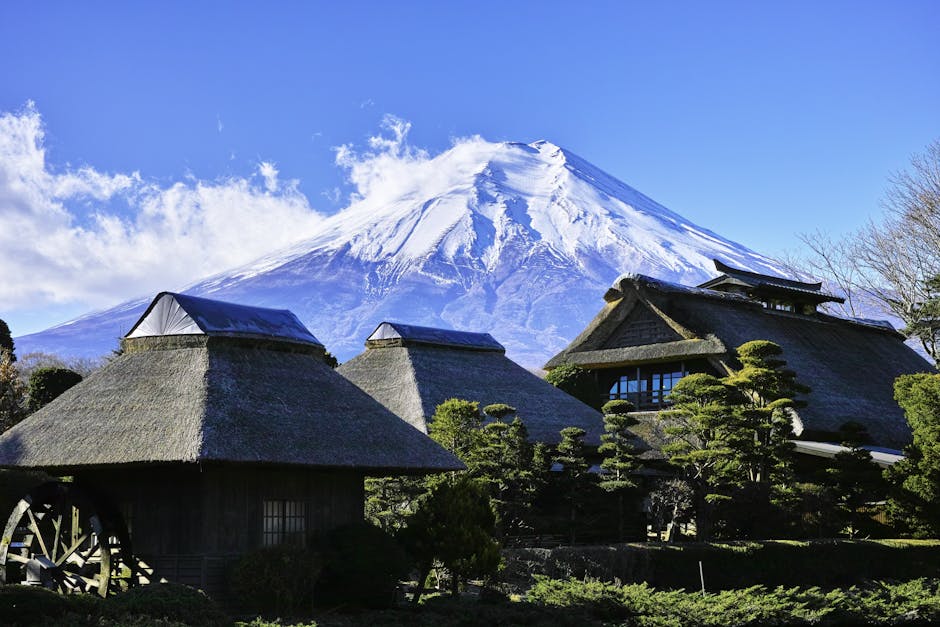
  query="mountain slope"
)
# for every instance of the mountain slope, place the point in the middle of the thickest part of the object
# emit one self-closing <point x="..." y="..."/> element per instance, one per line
<point x="520" y="240"/>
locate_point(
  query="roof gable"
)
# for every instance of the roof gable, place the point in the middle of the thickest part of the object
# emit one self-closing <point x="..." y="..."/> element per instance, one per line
<point x="642" y="326"/>
<point x="398" y="334"/>
<point x="182" y="314"/>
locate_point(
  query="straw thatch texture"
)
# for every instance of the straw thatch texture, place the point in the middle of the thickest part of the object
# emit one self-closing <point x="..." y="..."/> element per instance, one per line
<point x="411" y="380"/>
<point x="219" y="399"/>
<point x="850" y="366"/>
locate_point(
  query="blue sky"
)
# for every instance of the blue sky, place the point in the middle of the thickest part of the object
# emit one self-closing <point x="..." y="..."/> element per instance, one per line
<point x="758" y="120"/>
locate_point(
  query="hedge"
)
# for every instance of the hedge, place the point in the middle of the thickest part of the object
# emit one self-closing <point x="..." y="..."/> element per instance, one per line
<point x="824" y="563"/>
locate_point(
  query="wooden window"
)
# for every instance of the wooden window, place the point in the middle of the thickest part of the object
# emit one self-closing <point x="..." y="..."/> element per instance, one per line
<point x="647" y="387"/>
<point x="285" y="522"/>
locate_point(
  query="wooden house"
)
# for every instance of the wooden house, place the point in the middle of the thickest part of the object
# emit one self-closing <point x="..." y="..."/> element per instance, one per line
<point x="651" y="333"/>
<point x="411" y="370"/>
<point x="218" y="430"/>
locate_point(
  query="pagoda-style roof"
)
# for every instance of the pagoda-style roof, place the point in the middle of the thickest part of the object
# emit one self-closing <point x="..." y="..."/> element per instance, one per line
<point x="849" y="364"/>
<point x="411" y="378"/>
<point x="237" y="384"/>
<point x="764" y="286"/>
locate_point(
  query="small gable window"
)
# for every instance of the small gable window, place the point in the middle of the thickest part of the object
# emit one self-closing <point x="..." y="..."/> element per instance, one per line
<point x="284" y="522"/>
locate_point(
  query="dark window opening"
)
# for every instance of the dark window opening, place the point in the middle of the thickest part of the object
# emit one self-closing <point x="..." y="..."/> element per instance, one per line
<point x="647" y="387"/>
<point x="285" y="522"/>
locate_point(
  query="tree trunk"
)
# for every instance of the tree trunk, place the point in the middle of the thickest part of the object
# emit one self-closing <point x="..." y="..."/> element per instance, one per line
<point x="423" y="572"/>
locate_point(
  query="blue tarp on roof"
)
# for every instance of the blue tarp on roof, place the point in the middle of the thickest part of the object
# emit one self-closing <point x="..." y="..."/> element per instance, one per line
<point x="182" y="314"/>
<point x="431" y="335"/>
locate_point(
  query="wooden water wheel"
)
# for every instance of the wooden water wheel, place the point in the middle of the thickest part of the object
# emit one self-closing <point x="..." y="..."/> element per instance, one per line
<point x="60" y="537"/>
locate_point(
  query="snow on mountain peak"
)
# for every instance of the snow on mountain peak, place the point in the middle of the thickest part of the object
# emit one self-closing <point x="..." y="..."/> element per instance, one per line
<point x="519" y="240"/>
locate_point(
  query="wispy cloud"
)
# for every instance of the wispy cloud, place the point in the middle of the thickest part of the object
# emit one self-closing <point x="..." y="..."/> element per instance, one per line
<point x="91" y="237"/>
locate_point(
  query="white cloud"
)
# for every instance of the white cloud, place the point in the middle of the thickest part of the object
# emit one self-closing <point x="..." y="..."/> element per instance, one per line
<point x="53" y="251"/>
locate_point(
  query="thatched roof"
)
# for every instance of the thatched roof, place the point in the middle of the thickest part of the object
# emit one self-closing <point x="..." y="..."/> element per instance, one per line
<point x="412" y="377"/>
<point x="234" y="392"/>
<point x="850" y="365"/>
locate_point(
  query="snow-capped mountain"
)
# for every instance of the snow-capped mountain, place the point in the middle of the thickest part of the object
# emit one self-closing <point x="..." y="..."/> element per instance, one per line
<point x="519" y="240"/>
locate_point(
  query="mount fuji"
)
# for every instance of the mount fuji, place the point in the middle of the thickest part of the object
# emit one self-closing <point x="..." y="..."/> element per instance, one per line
<point x="518" y="240"/>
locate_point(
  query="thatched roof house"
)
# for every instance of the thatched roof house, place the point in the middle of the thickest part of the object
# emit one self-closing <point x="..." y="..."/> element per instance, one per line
<point x="411" y="370"/>
<point x="201" y="381"/>
<point x="650" y="333"/>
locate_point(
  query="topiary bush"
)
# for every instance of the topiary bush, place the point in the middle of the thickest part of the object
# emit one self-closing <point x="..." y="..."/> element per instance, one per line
<point x="170" y="602"/>
<point x="277" y="580"/>
<point x="362" y="567"/>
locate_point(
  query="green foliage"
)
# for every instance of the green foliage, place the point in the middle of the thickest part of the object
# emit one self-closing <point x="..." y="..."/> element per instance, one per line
<point x="45" y="384"/>
<point x="169" y="601"/>
<point x="30" y="605"/>
<point x="390" y="500"/>
<point x="914" y="496"/>
<point x="499" y="411"/>
<point x="574" y="482"/>
<point x="853" y="479"/>
<point x="275" y="580"/>
<point x="362" y="566"/>
<point x="912" y="602"/>
<point x="671" y="502"/>
<point x="698" y="429"/>
<point x="12" y="393"/>
<point x="330" y="359"/>
<point x="619" y="461"/>
<point x="456" y="426"/>
<point x="454" y="526"/>
<point x="6" y="340"/>
<point x="505" y="465"/>
<point x="617" y="406"/>
<point x="577" y="382"/>
<point x="923" y="321"/>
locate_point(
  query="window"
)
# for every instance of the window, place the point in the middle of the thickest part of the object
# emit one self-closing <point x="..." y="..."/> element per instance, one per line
<point x="284" y="523"/>
<point x="648" y="387"/>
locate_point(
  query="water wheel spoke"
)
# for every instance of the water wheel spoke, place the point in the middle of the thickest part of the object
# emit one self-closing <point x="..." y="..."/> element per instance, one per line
<point x="57" y="537"/>
<point x="72" y="550"/>
<point x="16" y="557"/>
<point x="35" y="527"/>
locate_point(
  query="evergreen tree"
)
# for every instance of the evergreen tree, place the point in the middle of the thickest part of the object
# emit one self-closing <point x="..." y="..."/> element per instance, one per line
<point x="574" y="480"/>
<point x="454" y="527"/>
<point x="6" y="340"/>
<point x="46" y="384"/>
<point x="854" y="479"/>
<point x="499" y="411"/>
<point x="12" y="392"/>
<point x="914" y="494"/>
<point x="390" y="500"/>
<point x="456" y="426"/>
<point x="698" y="428"/>
<point x="577" y="382"/>
<point x="504" y="463"/>
<point x="763" y="427"/>
<point x="619" y="461"/>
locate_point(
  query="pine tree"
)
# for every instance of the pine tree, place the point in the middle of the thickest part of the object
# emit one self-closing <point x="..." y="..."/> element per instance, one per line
<point x="46" y="384"/>
<point x="698" y="427"/>
<point x="12" y="392"/>
<point x="853" y="478"/>
<point x="453" y="526"/>
<point x="619" y="461"/>
<point x="574" y="480"/>
<point x="504" y="463"/>
<point x="577" y="382"/>
<point x="456" y="426"/>
<point x="390" y="500"/>
<point x="6" y="340"/>
<point x="914" y="495"/>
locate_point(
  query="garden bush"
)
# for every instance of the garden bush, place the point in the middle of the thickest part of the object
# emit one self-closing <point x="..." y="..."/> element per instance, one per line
<point x="362" y="567"/>
<point x="30" y="605"/>
<point x="171" y="602"/>
<point x="277" y="580"/>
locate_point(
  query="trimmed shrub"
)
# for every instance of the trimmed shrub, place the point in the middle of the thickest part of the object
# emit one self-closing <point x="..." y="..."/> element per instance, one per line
<point x="171" y="602"/>
<point x="362" y="566"/>
<point x="30" y="605"/>
<point x="277" y="580"/>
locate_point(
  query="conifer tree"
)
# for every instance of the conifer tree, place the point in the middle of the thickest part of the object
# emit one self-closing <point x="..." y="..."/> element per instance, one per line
<point x="12" y="392"/>
<point x="617" y="450"/>
<point x="574" y="480"/>
<point x="6" y="340"/>
<point x="577" y="382"/>
<point x="914" y="495"/>
<point x="456" y="426"/>
<point x="853" y="478"/>
<point x="698" y="427"/>
<point x="46" y="384"/>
